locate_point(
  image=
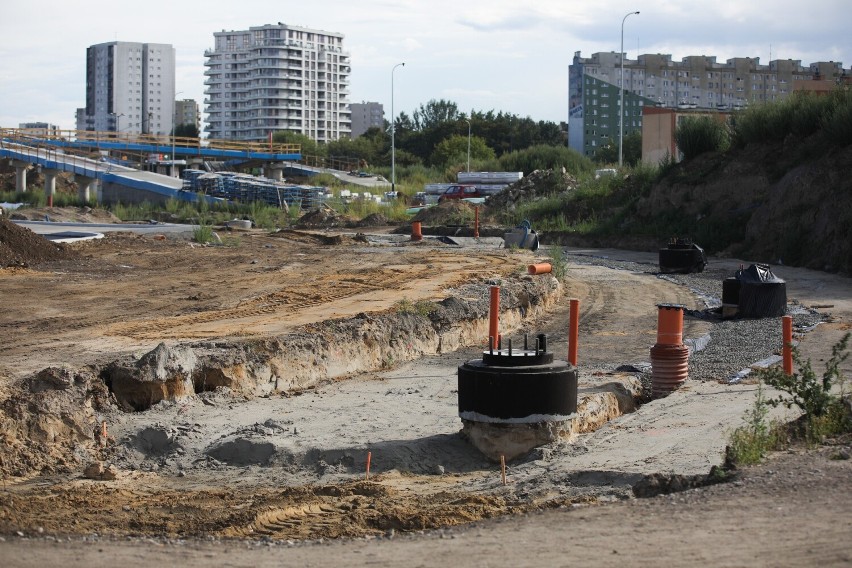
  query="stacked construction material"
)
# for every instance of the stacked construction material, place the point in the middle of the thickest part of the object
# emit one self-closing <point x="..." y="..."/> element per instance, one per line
<point x="245" y="188"/>
<point x="490" y="183"/>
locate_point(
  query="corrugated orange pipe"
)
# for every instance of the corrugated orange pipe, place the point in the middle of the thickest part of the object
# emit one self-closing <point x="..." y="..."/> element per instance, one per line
<point x="573" y="330"/>
<point x="416" y="231"/>
<point x="669" y="357"/>
<point x="540" y="268"/>
<point x="787" y="349"/>
<point x="494" y="314"/>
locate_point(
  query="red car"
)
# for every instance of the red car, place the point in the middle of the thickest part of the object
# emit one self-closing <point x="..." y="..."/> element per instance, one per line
<point x="460" y="192"/>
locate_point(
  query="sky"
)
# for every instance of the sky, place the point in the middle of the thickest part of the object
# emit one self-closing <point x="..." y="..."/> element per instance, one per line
<point x="501" y="55"/>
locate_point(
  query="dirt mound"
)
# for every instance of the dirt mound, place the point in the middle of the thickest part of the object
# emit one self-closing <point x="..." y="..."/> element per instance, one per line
<point x="540" y="183"/>
<point x="373" y="220"/>
<point x="22" y="247"/>
<point x="452" y="212"/>
<point x="66" y="214"/>
<point x="323" y="218"/>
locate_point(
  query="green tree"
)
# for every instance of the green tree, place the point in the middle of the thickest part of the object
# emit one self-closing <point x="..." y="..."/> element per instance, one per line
<point x="631" y="150"/>
<point x="310" y="147"/>
<point x="186" y="131"/>
<point x="434" y="113"/>
<point x="453" y="150"/>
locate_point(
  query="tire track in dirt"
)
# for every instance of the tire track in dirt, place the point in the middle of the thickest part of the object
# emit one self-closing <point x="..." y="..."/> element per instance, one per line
<point x="288" y="302"/>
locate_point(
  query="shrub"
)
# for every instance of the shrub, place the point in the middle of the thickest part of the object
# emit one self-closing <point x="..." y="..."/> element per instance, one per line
<point x="697" y="135"/>
<point x="818" y="398"/>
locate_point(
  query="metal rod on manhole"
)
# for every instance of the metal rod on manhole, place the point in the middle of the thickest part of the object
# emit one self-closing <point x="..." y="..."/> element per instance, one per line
<point x="573" y="330"/>
<point x="494" y="314"/>
<point x="787" y="349"/>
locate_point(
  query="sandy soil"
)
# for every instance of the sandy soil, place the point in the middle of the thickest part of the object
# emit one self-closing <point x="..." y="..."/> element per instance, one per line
<point x="275" y="470"/>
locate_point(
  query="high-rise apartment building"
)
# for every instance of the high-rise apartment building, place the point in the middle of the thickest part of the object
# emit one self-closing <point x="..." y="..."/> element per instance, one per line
<point x="130" y="87"/>
<point x="187" y="112"/>
<point x="694" y="82"/>
<point x="277" y="77"/>
<point x="366" y="116"/>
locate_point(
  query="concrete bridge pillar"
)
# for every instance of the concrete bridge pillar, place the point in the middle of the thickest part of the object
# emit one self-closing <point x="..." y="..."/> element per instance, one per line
<point x="20" y="175"/>
<point x="274" y="171"/>
<point x="84" y="185"/>
<point x="50" y="185"/>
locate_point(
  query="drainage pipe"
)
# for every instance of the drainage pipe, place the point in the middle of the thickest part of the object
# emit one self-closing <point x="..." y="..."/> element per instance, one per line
<point x="670" y="324"/>
<point x="540" y="268"/>
<point x="493" y="316"/>
<point x="669" y="357"/>
<point x="787" y="349"/>
<point x="416" y="231"/>
<point x="573" y="330"/>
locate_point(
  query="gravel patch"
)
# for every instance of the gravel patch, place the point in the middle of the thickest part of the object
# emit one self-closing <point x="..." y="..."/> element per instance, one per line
<point x="734" y="346"/>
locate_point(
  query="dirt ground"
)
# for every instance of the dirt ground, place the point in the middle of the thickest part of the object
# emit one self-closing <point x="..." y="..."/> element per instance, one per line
<point x="287" y="469"/>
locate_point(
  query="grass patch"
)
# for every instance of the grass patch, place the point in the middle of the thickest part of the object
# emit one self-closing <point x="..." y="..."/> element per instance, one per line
<point x="419" y="308"/>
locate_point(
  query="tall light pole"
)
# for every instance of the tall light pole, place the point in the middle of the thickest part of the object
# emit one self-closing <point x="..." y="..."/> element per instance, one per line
<point x="621" y="109"/>
<point x="174" y="127"/>
<point x="393" y="133"/>
<point x="468" y="144"/>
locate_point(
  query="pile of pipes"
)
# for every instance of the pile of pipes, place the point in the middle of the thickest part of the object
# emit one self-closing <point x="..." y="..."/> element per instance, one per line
<point x="246" y="188"/>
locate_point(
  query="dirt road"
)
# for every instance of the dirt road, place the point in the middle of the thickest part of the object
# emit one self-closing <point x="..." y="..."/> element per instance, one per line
<point x="268" y="470"/>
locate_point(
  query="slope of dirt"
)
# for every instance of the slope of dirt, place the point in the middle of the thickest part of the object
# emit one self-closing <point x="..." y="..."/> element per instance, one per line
<point x="761" y="203"/>
<point x="21" y="247"/>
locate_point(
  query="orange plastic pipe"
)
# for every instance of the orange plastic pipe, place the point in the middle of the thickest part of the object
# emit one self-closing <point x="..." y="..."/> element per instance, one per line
<point x="670" y="324"/>
<point x="573" y="331"/>
<point x="416" y="231"/>
<point x="540" y="268"/>
<point x="787" y="349"/>
<point x="476" y="222"/>
<point x="494" y="313"/>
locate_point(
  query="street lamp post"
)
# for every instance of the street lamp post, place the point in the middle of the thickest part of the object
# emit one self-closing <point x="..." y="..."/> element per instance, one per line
<point x="174" y="127"/>
<point x="393" y="133"/>
<point x="621" y="109"/>
<point x="468" y="144"/>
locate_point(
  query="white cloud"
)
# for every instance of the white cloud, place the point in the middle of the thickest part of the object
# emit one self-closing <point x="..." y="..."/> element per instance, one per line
<point x="490" y="54"/>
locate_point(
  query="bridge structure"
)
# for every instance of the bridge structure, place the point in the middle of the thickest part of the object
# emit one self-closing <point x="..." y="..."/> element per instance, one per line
<point x="84" y="153"/>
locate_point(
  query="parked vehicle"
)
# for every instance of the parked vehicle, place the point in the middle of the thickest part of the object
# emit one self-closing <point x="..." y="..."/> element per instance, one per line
<point x="460" y="191"/>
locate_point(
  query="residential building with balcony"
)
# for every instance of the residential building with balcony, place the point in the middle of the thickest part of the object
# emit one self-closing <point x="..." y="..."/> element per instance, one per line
<point x="129" y="87"/>
<point x="695" y="82"/>
<point x="277" y="77"/>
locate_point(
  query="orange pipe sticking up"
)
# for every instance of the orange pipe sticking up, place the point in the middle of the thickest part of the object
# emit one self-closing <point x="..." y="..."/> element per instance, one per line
<point x="416" y="231"/>
<point x="476" y="222"/>
<point x="494" y="314"/>
<point x="787" y="349"/>
<point x="670" y="324"/>
<point x="573" y="331"/>
<point x="540" y="268"/>
<point x="669" y="357"/>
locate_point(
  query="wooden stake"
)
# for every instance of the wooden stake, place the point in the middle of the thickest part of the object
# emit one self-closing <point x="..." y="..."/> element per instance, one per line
<point x="369" y="457"/>
<point x="503" y="467"/>
<point x="103" y="433"/>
